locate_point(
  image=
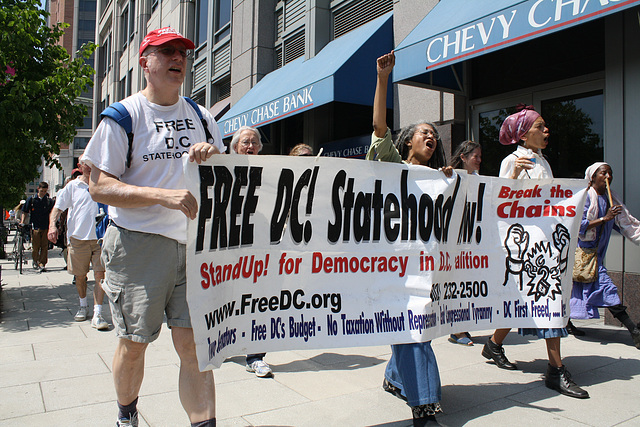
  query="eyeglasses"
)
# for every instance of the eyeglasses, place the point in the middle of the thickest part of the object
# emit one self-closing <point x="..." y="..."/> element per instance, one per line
<point x="248" y="143"/>
<point x="169" y="51"/>
<point x="428" y="132"/>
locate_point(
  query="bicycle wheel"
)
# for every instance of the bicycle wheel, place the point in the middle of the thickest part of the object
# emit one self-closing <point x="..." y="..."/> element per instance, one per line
<point x="20" y="251"/>
<point x="14" y="252"/>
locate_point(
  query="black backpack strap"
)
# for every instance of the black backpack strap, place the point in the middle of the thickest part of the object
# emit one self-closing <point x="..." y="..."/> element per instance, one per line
<point x="120" y="115"/>
<point x="202" y="119"/>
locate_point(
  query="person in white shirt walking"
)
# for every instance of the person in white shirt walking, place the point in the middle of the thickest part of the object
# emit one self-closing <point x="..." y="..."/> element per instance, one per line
<point x="83" y="249"/>
<point x="141" y="177"/>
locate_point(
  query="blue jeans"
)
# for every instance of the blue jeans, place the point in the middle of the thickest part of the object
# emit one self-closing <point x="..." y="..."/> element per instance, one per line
<point x="414" y="370"/>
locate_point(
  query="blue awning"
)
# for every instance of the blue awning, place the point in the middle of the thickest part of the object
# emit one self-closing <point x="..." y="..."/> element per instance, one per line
<point x="344" y="70"/>
<point x="457" y="30"/>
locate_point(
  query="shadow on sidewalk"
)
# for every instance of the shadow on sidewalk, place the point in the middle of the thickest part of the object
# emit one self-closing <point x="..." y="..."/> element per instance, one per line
<point x="321" y="362"/>
<point x="464" y="403"/>
<point x="41" y="306"/>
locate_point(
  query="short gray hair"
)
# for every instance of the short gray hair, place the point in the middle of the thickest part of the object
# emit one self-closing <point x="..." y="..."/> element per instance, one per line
<point x="236" y="137"/>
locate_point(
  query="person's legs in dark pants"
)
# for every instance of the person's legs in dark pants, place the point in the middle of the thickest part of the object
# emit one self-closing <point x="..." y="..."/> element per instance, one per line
<point x="620" y="312"/>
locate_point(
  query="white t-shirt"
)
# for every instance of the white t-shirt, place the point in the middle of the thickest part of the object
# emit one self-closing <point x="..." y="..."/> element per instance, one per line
<point x="541" y="168"/>
<point x="162" y="138"/>
<point x="81" y="220"/>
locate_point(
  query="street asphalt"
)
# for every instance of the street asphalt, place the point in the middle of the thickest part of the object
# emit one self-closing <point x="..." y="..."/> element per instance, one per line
<point x="57" y="372"/>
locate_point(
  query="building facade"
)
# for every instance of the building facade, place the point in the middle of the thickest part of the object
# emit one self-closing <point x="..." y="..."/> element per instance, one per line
<point x="237" y="44"/>
<point x="304" y="71"/>
<point x="575" y="61"/>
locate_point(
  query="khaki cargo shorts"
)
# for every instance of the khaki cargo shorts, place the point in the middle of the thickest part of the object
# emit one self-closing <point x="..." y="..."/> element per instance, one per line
<point x="145" y="279"/>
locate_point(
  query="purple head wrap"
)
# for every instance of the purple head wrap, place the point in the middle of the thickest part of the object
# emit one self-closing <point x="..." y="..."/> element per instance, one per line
<point x="518" y="124"/>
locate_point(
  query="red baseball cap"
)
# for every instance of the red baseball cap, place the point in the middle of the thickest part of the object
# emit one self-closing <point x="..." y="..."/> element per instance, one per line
<point x="163" y="35"/>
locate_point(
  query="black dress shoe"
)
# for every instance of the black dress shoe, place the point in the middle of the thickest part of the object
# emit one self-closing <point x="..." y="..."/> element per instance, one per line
<point x="495" y="351"/>
<point x="426" y="421"/>
<point x="421" y="417"/>
<point x="571" y="329"/>
<point x="560" y="380"/>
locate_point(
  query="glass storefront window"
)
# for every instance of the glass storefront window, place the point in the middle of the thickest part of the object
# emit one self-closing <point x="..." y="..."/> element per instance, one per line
<point x="576" y="131"/>
<point x="492" y="151"/>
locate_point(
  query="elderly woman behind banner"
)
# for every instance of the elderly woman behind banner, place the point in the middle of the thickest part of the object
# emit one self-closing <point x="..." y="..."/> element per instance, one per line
<point x="601" y="216"/>
<point x="528" y="129"/>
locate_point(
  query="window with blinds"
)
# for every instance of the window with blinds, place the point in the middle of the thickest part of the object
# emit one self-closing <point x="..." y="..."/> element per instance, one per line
<point x="223" y="89"/>
<point x="290" y="31"/>
<point x="351" y="15"/>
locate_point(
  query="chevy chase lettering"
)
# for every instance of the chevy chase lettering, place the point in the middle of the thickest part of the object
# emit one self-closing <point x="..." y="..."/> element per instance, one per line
<point x="275" y="109"/>
<point x="511" y="24"/>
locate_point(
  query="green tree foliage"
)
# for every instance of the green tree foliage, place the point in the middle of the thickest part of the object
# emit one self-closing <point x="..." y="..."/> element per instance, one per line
<point x="39" y="84"/>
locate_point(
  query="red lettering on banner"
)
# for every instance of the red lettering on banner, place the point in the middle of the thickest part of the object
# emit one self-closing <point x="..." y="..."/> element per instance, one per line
<point x="514" y="210"/>
<point x="358" y="264"/>
<point x="529" y="193"/>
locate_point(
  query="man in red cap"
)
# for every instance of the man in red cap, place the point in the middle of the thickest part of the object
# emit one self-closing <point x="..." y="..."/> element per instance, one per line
<point x="144" y="250"/>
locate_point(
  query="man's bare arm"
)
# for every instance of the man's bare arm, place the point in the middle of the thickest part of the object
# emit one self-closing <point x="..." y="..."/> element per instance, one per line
<point x="106" y="188"/>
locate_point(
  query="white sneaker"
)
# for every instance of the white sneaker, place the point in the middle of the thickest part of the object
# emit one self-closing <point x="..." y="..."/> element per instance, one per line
<point x="260" y="368"/>
<point x="133" y="422"/>
<point x="99" y="323"/>
<point x="81" y="315"/>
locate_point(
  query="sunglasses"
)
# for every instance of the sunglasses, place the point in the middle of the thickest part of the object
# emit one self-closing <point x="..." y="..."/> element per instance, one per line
<point x="170" y="51"/>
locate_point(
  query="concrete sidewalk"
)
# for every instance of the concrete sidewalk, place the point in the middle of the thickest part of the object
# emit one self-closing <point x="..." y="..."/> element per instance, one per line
<point x="57" y="372"/>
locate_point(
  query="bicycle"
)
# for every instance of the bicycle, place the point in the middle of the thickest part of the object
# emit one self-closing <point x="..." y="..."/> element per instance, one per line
<point x="18" y="246"/>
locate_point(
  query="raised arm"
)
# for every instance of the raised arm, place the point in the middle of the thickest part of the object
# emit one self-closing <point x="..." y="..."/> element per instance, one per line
<point x="384" y="66"/>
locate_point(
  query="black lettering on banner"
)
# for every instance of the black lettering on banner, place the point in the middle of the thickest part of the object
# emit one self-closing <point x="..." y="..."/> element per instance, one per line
<point x="378" y="203"/>
<point x="227" y="194"/>
<point x="347" y="205"/>
<point x="206" y="181"/>
<point x="222" y="194"/>
<point x="404" y="217"/>
<point x="409" y="209"/>
<point x="334" y="228"/>
<point x="281" y="211"/>
<point x="362" y="217"/>
<point x="250" y="204"/>
<point x="425" y="217"/>
<point x="288" y="202"/>
<point x="236" y="205"/>
<point x="299" y="230"/>
<point x="391" y="213"/>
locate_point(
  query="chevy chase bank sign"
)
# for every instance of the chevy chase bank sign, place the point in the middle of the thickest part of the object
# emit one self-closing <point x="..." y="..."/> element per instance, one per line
<point x="527" y="19"/>
<point x="271" y="111"/>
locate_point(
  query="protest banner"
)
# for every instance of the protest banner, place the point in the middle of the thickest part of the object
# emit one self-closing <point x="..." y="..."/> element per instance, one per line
<point x="300" y="252"/>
